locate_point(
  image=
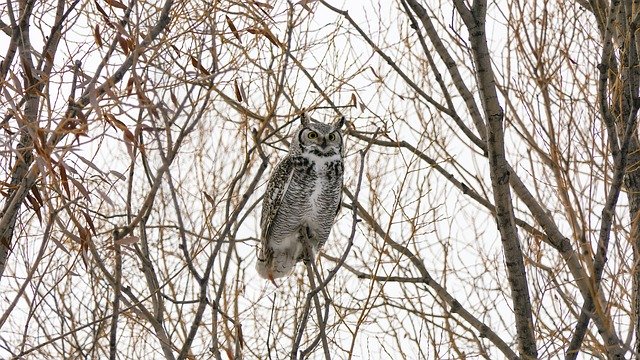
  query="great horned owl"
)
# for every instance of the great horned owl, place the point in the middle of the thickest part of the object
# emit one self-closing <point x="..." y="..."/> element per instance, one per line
<point x="302" y="198"/>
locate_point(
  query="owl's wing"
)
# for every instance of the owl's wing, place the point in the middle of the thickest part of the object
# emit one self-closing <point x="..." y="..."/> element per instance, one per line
<point x="276" y="189"/>
<point x="341" y="189"/>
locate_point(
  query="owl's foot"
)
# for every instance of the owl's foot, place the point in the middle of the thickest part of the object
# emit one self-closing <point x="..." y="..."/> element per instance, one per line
<point x="307" y="255"/>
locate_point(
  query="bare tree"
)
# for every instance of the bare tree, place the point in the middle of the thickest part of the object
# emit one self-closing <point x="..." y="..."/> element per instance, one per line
<point x="491" y="200"/>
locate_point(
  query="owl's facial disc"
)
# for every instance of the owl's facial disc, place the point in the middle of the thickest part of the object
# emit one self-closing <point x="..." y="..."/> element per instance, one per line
<point x="320" y="143"/>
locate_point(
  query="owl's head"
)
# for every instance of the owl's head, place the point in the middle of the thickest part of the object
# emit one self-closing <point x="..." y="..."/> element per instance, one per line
<point x="317" y="138"/>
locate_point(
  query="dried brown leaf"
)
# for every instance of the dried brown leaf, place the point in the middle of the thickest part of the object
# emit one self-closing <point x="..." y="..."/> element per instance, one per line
<point x="64" y="179"/>
<point x="128" y="136"/>
<point x="269" y="35"/>
<point x="129" y="142"/>
<point x="36" y="207"/>
<point x="16" y="82"/>
<point x="60" y="245"/>
<point x="118" y="175"/>
<point x="244" y="95"/>
<point x="305" y="4"/>
<point x="196" y="63"/>
<point x="101" y="11"/>
<point x="96" y="35"/>
<point x="78" y="185"/>
<point x="36" y="202"/>
<point x="89" y="221"/>
<point x="83" y="233"/>
<point x="121" y="30"/>
<point x="233" y="28"/>
<point x="153" y="111"/>
<point x="129" y="87"/>
<point x="236" y="89"/>
<point x="266" y="33"/>
<point x="36" y="194"/>
<point x="93" y="98"/>
<point x="105" y="197"/>
<point x="89" y="163"/>
<point x="123" y="44"/>
<point x="117" y="124"/>
<point x="84" y="246"/>
<point x="263" y="5"/>
<point x="140" y="93"/>
<point x="209" y="198"/>
<point x="116" y="4"/>
<point x="137" y="136"/>
<point x="174" y="99"/>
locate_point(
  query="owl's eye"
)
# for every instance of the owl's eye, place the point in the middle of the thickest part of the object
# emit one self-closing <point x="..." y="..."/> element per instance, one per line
<point x="332" y="137"/>
<point x="312" y="135"/>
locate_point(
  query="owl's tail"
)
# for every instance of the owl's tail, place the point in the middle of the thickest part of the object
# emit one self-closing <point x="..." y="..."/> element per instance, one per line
<point x="280" y="265"/>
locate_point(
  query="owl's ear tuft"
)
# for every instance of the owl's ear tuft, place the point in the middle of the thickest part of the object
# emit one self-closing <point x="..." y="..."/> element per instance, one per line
<point x="304" y="119"/>
<point x="339" y="123"/>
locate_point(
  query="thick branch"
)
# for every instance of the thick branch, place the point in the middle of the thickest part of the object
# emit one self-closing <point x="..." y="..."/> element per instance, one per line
<point x="500" y="172"/>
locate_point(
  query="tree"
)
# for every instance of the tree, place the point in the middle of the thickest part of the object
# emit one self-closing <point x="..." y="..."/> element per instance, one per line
<point x="490" y="209"/>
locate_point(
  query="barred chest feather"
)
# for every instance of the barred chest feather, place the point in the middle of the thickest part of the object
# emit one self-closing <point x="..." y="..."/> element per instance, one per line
<point x="311" y="202"/>
<point x="320" y="179"/>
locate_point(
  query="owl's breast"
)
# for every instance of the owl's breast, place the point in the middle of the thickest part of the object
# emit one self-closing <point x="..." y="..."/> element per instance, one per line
<point x="320" y="193"/>
<point x="310" y="202"/>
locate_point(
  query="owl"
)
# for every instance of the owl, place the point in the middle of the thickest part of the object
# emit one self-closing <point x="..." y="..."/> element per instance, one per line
<point x="302" y="198"/>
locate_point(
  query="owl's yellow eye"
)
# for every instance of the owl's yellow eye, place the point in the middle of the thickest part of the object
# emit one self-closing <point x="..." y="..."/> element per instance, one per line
<point x="312" y="135"/>
<point x="332" y="137"/>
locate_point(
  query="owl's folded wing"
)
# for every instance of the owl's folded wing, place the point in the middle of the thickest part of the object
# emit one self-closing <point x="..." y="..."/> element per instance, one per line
<point x="276" y="189"/>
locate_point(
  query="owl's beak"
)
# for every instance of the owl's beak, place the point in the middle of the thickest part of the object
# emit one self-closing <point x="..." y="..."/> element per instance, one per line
<point x="324" y="143"/>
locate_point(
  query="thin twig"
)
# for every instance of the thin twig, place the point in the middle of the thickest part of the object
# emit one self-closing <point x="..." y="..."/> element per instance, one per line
<point x="322" y="335"/>
<point x="113" y="333"/>
<point x="273" y="309"/>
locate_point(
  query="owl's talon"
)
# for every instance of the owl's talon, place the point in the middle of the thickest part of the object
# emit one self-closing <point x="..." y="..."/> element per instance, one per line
<point x="304" y="256"/>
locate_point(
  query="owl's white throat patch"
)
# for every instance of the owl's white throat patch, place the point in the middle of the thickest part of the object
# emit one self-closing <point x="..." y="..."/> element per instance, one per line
<point x="320" y="162"/>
